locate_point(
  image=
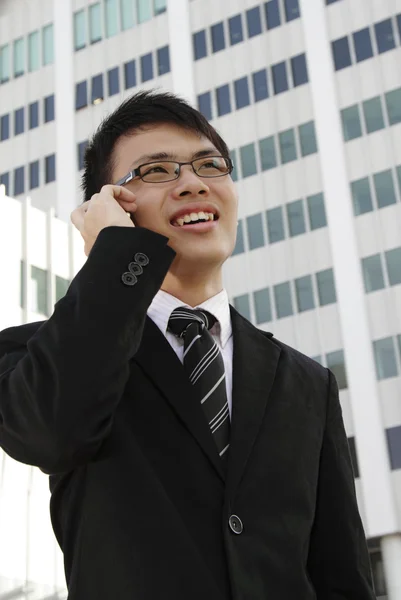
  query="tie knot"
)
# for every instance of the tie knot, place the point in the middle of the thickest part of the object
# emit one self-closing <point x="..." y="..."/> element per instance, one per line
<point x="182" y="317"/>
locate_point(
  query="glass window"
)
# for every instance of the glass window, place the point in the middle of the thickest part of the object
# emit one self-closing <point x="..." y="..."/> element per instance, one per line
<point x="199" y="42"/>
<point x="241" y="304"/>
<point x="113" y="81"/>
<point x="248" y="160"/>
<point x="267" y="150"/>
<point x="144" y="10"/>
<point x="223" y="100"/>
<point x="127" y="14"/>
<point x="81" y="154"/>
<point x="4" y="63"/>
<point x="253" y="22"/>
<point x="33" y="115"/>
<point x="399" y="178"/>
<point x="393" y="103"/>
<point x="351" y="123"/>
<point x="373" y="273"/>
<point x="304" y="293"/>
<point x="307" y="137"/>
<point x="130" y="74"/>
<point x="146" y="67"/>
<point x="260" y="89"/>
<point x="234" y="172"/>
<point x="97" y="88"/>
<point x="355" y="469"/>
<point x="263" y="307"/>
<point x="47" y="44"/>
<point x="272" y="9"/>
<point x="384" y="35"/>
<point x="372" y="110"/>
<point x="394" y="448"/>
<point x="361" y="196"/>
<point x="341" y="53"/>
<point x="398" y="339"/>
<point x="256" y="236"/>
<point x="288" y="150"/>
<point x="39" y="290"/>
<point x="5" y="180"/>
<point x="159" y="6"/>
<point x="275" y="224"/>
<point x="4" y="127"/>
<point x="34" y="175"/>
<point x="81" y="95"/>
<point x="384" y="186"/>
<point x="325" y="287"/>
<point x="362" y="44"/>
<point x="50" y="168"/>
<point x="205" y="105"/>
<point x="80" y="29"/>
<point x="111" y="17"/>
<point x="386" y="363"/>
<point x="218" y="41"/>
<point x="23" y="269"/>
<point x="239" y="244"/>
<point x="241" y="93"/>
<point x="95" y="23"/>
<point x="393" y="262"/>
<point x="296" y="218"/>
<point x="49" y="108"/>
<point x="299" y="70"/>
<point x="235" y="29"/>
<point x="280" y="80"/>
<point x="19" y="120"/>
<point x="62" y="286"/>
<point x="291" y="9"/>
<point x="19" y="181"/>
<point x="283" y="300"/>
<point x="336" y="363"/>
<point x="19" y="57"/>
<point x="33" y="51"/>
<point x="163" y="60"/>
<point x="317" y="211"/>
<point x="398" y="17"/>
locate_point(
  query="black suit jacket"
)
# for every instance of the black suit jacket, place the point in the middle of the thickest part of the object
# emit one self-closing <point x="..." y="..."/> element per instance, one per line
<point x="96" y="398"/>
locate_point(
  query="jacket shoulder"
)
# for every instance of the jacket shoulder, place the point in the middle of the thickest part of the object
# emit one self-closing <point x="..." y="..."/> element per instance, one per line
<point x="297" y="359"/>
<point x="14" y="338"/>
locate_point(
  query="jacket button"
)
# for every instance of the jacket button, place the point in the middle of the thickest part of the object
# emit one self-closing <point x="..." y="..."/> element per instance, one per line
<point x="235" y="524"/>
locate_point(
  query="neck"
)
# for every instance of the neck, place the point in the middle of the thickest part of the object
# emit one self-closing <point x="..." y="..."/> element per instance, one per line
<point x="193" y="287"/>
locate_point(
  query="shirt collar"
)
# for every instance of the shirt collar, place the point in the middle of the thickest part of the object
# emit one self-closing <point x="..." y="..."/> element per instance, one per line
<point x="163" y="305"/>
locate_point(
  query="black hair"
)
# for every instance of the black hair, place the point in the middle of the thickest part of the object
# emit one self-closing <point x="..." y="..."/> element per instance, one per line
<point x="139" y="110"/>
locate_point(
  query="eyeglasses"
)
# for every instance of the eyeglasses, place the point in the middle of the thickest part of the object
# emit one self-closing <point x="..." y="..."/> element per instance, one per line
<point x="168" y="170"/>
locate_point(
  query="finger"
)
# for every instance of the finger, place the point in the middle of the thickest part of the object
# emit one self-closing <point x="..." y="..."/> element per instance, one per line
<point x="127" y="206"/>
<point x="119" y="192"/>
<point x="77" y="217"/>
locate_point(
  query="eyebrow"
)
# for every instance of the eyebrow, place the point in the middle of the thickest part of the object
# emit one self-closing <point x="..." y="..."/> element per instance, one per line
<point x="171" y="156"/>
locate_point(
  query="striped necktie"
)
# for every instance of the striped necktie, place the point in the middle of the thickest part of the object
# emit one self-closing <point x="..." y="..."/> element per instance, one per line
<point x="204" y="365"/>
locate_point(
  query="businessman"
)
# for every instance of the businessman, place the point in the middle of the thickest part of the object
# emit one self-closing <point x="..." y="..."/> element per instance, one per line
<point x="191" y="455"/>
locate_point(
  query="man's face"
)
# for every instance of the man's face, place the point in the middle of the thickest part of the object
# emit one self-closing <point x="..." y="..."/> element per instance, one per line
<point x="159" y="203"/>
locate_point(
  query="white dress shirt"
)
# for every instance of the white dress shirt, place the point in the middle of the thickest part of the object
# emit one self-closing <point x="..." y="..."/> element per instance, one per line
<point x="163" y="305"/>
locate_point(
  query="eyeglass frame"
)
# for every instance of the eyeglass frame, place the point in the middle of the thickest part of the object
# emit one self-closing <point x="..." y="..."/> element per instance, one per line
<point x="136" y="172"/>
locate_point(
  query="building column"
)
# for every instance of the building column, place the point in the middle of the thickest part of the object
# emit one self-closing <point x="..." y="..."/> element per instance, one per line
<point x="391" y="553"/>
<point x="181" y="53"/>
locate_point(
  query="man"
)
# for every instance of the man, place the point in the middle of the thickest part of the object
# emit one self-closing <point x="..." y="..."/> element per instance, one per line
<point x="191" y="456"/>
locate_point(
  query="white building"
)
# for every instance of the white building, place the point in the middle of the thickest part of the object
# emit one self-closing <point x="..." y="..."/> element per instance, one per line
<point x="307" y="94"/>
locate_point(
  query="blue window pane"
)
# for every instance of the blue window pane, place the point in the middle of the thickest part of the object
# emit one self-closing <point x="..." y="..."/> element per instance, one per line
<point x="283" y="300"/>
<point x="111" y="17"/>
<point x="34" y="175"/>
<point x="263" y="309"/>
<point x="97" y="88"/>
<point x="81" y="95"/>
<point x="399" y="178"/>
<point x="351" y="122"/>
<point x="81" y="154"/>
<point x="363" y="44"/>
<point x="95" y="22"/>
<point x="5" y="180"/>
<point x="5" y="63"/>
<point x="361" y="196"/>
<point x="336" y="363"/>
<point x="146" y="67"/>
<point x="242" y="305"/>
<point x="253" y="22"/>
<point x="304" y="293"/>
<point x="159" y="7"/>
<point x="372" y="110"/>
<point x="127" y="14"/>
<point x="223" y="100"/>
<point x="113" y="81"/>
<point x="385" y="190"/>
<point x="80" y="29"/>
<point x="288" y="150"/>
<point x="384" y="35"/>
<point x="260" y="88"/>
<point x="272" y="9"/>
<point x="33" y="115"/>
<point x="296" y="218"/>
<point x="394" y="446"/>
<point x="205" y="105"/>
<point x="256" y="236"/>
<point x="48" y="44"/>
<point x="307" y="138"/>
<point x="248" y="160"/>
<point x="393" y="103"/>
<point x="234" y="172"/>
<point x="49" y="108"/>
<point x="317" y="211"/>
<point x="163" y="60"/>
<point x="299" y="70"/>
<point x="50" y="168"/>
<point x="373" y="273"/>
<point x="280" y="80"/>
<point x="144" y="10"/>
<point x="4" y="127"/>
<point x="331" y="1"/>
<point x="291" y="9"/>
<point x="19" y="181"/>
<point x="218" y="41"/>
<point x="235" y="29"/>
<point x="241" y="93"/>
<point x="275" y="225"/>
<point x="385" y="358"/>
<point x="341" y="53"/>
<point x="393" y="263"/>
<point x="325" y="287"/>
<point x="267" y="151"/>
<point x="199" y="42"/>
<point x="399" y="24"/>
<point x="19" y="121"/>
<point x="239" y="244"/>
<point x="130" y="74"/>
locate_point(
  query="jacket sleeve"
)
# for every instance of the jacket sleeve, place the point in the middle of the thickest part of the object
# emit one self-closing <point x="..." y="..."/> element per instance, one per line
<point x="338" y="561"/>
<point x="59" y="389"/>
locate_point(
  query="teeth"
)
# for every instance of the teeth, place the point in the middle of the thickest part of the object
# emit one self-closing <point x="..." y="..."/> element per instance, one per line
<point x="180" y="222"/>
<point x="187" y="218"/>
<point x="194" y="217"/>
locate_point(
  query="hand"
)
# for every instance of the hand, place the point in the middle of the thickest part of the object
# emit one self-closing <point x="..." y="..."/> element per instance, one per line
<point x="113" y="205"/>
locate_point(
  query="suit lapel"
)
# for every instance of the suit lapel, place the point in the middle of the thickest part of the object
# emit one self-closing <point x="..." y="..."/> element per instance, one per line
<point x="160" y="362"/>
<point x="255" y="360"/>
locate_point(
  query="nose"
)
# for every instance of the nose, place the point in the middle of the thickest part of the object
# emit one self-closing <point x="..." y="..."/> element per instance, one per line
<point x="190" y="184"/>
